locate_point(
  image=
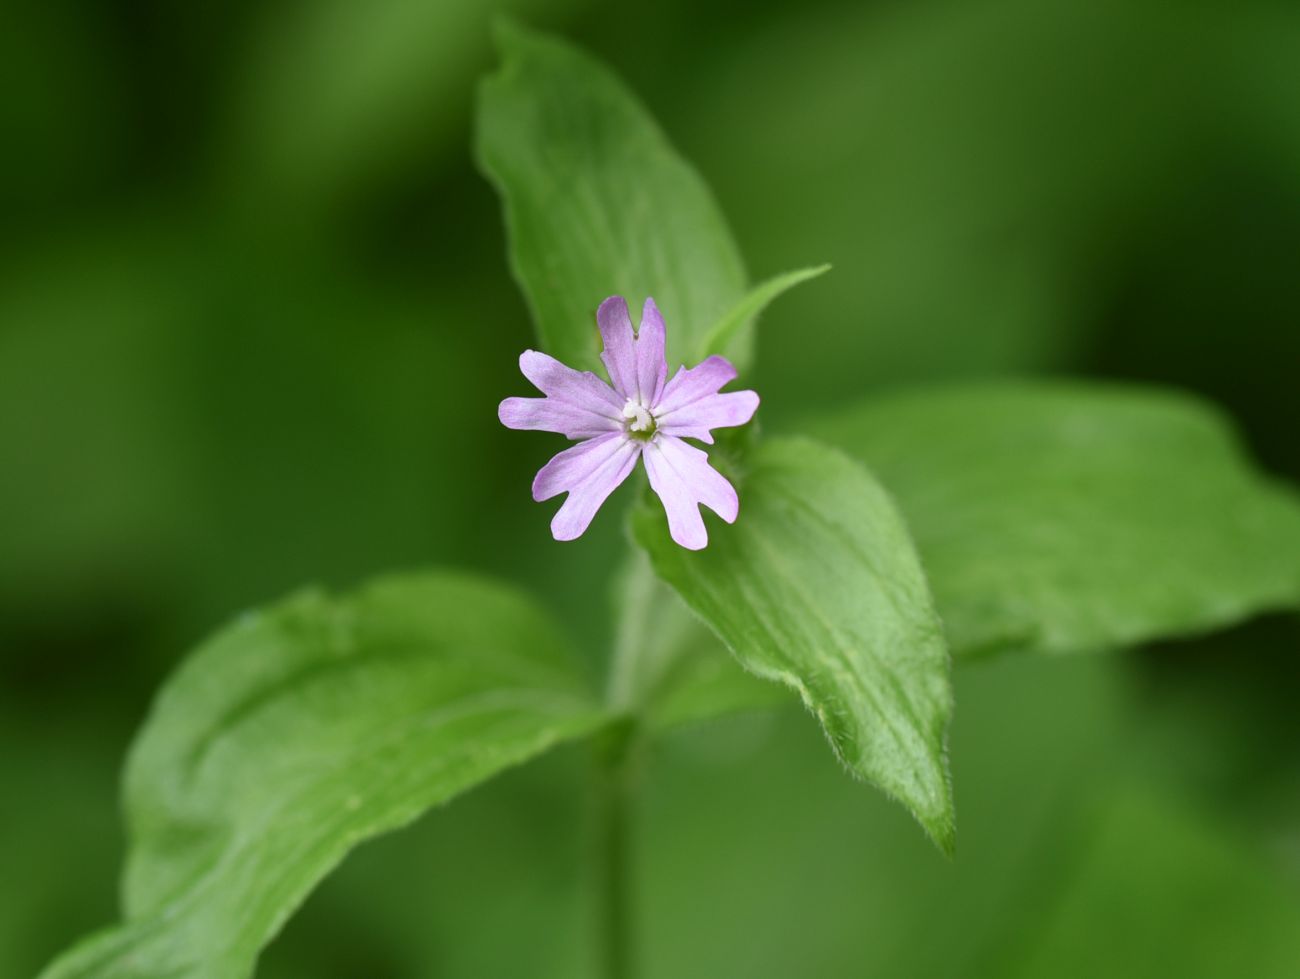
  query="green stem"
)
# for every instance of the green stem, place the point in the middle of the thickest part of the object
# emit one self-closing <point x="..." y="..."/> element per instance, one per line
<point x="613" y="857"/>
<point x="634" y="600"/>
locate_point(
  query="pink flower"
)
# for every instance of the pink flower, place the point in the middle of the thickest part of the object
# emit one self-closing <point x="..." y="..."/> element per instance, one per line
<point x="643" y="416"/>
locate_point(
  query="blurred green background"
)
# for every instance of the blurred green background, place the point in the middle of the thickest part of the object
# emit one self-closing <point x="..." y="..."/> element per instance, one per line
<point x="255" y="319"/>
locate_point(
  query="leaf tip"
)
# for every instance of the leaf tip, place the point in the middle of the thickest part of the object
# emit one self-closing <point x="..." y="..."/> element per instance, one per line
<point x="942" y="832"/>
<point x="506" y="30"/>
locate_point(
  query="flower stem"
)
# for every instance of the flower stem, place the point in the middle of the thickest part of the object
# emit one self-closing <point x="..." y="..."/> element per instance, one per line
<point x="612" y="840"/>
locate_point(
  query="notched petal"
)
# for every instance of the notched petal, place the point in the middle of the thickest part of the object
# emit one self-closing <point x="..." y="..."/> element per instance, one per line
<point x="574" y="465"/>
<point x="715" y="411"/>
<point x="619" y="356"/>
<point x="681" y="476"/>
<point x="691" y="384"/>
<point x="549" y="415"/>
<point x="651" y="364"/>
<point x="587" y="494"/>
<point x="580" y="389"/>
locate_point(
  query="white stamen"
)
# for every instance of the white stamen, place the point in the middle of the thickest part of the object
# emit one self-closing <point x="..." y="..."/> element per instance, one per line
<point x="639" y="416"/>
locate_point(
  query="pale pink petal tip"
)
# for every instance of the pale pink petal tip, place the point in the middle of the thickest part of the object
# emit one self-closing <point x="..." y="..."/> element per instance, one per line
<point x="651" y="365"/>
<point x="589" y="472"/>
<point x="619" y="339"/>
<point x="554" y="415"/>
<point x="683" y="479"/>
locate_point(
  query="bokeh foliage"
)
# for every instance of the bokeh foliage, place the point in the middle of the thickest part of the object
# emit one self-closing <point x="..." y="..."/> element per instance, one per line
<point x="254" y="320"/>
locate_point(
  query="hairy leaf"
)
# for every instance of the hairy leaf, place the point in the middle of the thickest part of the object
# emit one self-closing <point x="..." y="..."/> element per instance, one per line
<point x="304" y="729"/>
<point x="598" y="203"/>
<point x="1060" y="517"/>
<point x="818" y="586"/>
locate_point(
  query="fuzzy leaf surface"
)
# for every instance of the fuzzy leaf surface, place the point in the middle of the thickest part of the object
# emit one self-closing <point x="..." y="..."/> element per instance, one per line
<point x="818" y="586"/>
<point x="303" y="729"/>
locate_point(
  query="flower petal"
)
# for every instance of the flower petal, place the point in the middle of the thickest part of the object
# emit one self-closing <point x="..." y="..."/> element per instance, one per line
<point x="683" y="479"/>
<point x="616" y="333"/>
<point x="588" y="472"/>
<point x="715" y="411"/>
<point x="634" y="359"/>
<point x="575" y="464"/>
<point x="651" y="366"/>
<point x="580" y="389"/>
<point x="691" y="385"/>
<point x="710" y="487"/>
<point x="550" y="415"/>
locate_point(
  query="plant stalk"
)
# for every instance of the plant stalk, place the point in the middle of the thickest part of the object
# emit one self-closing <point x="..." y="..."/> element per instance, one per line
<point x="613" y="864"/>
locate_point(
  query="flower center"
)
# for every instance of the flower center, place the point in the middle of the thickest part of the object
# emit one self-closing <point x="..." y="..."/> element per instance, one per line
<point x="640" y="423"/>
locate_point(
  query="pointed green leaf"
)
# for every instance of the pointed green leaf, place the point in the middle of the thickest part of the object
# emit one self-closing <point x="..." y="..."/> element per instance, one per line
<point x="744" y="313"/>
<point x="817" y="586"/>
<point x="304" y="729"/>
<point x="597" y="203"/>
<point x="1059" y="517"/>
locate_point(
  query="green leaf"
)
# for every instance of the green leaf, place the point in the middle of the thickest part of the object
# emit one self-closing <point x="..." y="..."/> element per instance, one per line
<point x="1061" y="517"/>
<point x="598" y="203"/>
<point x="817" y="586"/>
<point x="668" y="668"/>
<point x="745" y="312"/>
<point x="302" y="730"/>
